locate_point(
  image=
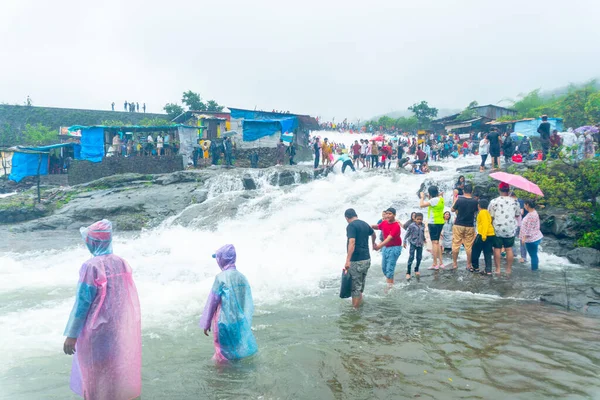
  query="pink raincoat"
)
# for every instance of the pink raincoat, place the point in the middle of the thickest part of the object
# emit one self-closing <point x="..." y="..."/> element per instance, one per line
<point x="106" y="322"/>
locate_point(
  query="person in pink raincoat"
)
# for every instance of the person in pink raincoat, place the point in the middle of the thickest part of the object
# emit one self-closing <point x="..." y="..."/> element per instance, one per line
<point x="104" y="329"/>
<point x="229" y="309"/>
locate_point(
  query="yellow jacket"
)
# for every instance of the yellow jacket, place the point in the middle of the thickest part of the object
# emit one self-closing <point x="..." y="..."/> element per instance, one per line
<point x="484" y="224"/>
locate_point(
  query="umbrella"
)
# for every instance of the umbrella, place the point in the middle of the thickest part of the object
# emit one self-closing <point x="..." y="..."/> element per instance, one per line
<point x="378" y="138"/>
<point x="228" y="134"/>
<point x="517" y="135"/>
<point x="518" y="182"/>
<point x="587" y="129"/>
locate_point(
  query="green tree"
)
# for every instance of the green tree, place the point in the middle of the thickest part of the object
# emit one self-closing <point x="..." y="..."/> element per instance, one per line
<point x="469" y="112"/>
<point x="193" y="101"/>
<point x="173" y="110"/>
<point x="39" y="135"/>
<point x="424" y="113"/>
<point x="386" y="122"/>
<point x="212" y="105"/>
<point x="155" y="122"/>
<point x="407" y="123"/>
<point x="592" y="108"/>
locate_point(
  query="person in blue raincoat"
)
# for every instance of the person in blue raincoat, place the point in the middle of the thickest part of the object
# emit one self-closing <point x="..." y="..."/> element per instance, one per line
<point x="229" y="310"/>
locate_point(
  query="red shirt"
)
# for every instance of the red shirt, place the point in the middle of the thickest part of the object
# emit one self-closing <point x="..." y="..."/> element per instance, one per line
<point x="391" y="230"/>
<point x="421" y="155"/>
<point x="465" y="145"/>
<point x="356" y="149"/>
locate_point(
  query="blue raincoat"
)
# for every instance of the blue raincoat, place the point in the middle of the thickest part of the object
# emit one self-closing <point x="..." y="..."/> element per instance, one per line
<point x="230" y="308"/>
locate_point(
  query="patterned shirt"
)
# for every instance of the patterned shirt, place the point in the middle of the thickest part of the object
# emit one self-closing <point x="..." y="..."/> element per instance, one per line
<point x="504" y="210"/>
<point x="530" y="228"/>
<point x="415" y="235"/>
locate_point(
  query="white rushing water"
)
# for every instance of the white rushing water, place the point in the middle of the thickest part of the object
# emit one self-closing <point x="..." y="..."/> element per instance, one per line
<point x="289" y="241"/>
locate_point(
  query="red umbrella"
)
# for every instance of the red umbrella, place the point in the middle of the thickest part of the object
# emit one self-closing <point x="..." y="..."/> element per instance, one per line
<point x="378" y="138"/>
<point x="518" y="182"/>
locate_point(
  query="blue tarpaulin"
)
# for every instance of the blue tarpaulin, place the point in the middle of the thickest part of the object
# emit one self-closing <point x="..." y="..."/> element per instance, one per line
<point x="92" y="144"/>
<point x="254" y="129"/>
<point x="26" y="164"/>
<point x="529" y="127"/>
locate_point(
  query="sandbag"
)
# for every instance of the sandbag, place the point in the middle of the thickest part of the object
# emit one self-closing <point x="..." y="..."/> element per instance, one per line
<point x="346" y="287"/>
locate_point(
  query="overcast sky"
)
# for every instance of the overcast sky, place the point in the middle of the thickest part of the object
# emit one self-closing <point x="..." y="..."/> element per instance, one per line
<point x="350" y="59"/>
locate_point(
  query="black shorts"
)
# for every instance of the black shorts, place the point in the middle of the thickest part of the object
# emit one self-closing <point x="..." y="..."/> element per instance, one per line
<point x="435" y="230"/>
<point x="501" y="242"/>
<point x="355" y="157"/>
<point x="363" y="156"/>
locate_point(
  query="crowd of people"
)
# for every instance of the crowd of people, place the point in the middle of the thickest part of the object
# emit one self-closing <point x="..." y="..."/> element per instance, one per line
<point x="132" y="145"/>
<point x="481" y="227"/>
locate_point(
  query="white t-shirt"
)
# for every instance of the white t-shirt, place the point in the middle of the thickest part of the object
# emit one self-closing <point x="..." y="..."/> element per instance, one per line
<point x="504" y="210"/>
<point x="363" y="148"/>
<point x="150" y="139"/>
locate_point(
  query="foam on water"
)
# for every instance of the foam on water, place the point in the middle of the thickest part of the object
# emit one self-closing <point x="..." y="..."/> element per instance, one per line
<point x="288" y="242"/>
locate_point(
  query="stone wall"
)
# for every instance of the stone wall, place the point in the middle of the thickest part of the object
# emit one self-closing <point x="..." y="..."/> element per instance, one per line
<point x="267" y="157"/>
<point x="85" y="171"/>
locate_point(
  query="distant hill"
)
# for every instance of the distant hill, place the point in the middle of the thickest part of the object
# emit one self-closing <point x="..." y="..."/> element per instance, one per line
<point x="442" y="112"/>
<point x="13" y="119"/>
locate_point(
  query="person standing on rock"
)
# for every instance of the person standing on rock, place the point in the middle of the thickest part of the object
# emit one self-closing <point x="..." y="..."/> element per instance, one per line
<point x="531" y="234"/>
<point x="391" y="245"/>
<point x="504" y="211"/>
<point x="463" y="231"/>
<point x="104" y="329"/>
<point x="494" y="138"/>
<point x="435" y="221"/>
<point x="228" y="146"/>
<point x="280" y="152"/>
<point x="291" y="151"/>
<point x="484" y="240"/>
<point x="544" y="131"/>
<point x="415" y="236"/>
<point x="358" y="259"/>
<point x="484" y="149"/>
<point x="316" y="148"/>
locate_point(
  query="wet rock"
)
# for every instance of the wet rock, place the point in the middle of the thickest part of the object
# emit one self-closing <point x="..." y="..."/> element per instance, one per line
<point x="249" y="183"/>
<point x="283" y="178"/>
<point x="585" y="300"/>
<point x="559" y="222"/>
<point x="585" y="256"/>
<point x="179" y="177"/>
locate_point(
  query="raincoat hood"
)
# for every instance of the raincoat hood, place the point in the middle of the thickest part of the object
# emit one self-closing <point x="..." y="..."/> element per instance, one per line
<point x="98" y="237"/>
<point x="225" y="257"/>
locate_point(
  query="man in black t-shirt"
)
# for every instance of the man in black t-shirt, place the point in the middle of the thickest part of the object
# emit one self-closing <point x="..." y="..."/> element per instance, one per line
<point x="463" y="231"/>
<point x="544" y="131"/>
<point x="358" y="259"/>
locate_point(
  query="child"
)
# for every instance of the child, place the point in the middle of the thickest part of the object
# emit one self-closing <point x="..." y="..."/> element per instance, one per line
<point x="446" y="237"/>
<point x="410" y="221"/>
<point x="485" y="238"/>
<point x="415" y="235"/>
<point x="229" y="308"/>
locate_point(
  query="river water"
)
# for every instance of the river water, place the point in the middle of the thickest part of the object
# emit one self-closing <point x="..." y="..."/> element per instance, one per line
<point x="419" y="340"/>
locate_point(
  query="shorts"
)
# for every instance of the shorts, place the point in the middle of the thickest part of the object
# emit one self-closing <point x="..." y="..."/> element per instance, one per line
<point x="358" y="272"/>
<point x="501" y="242"/>
<point x="363" y="156"/>
<point x="355" y="157"/>
<point x="464" y="235"/>
<point x="435" y="230"/>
